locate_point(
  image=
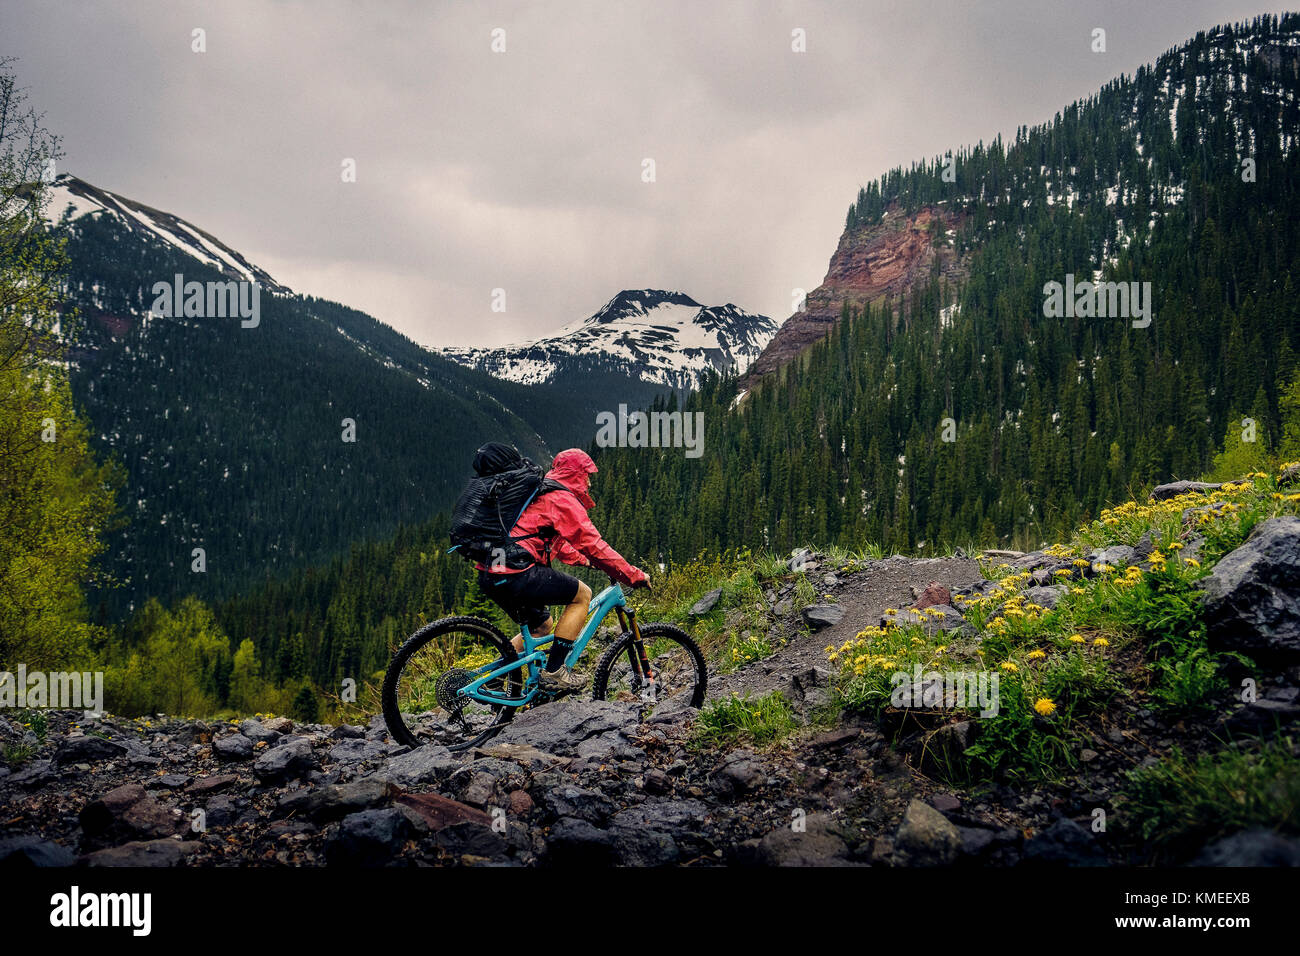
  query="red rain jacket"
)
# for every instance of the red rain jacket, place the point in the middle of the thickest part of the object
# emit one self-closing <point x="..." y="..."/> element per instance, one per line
<point x="575" y="540"/>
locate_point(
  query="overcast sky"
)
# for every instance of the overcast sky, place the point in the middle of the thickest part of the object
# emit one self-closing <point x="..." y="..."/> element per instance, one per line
<point x="522" y="170"/>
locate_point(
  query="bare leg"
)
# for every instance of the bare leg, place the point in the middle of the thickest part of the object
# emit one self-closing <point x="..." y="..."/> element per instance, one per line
<point x="542" y="631"/>
<point x="555" y="677"/>
<point x="574" y="615"/>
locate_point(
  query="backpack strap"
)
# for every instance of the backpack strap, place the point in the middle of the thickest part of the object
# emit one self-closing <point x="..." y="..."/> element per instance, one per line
<point x="547" y="486"/>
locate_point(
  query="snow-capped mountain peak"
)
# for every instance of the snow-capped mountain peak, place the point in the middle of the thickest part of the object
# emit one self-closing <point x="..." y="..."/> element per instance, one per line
<point x="656" y="336"/>
<point x="76" y="198"/>
<point x="634" y="302"/>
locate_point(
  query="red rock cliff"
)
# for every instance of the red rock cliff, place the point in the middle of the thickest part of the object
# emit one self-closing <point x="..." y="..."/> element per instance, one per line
<point x="872" y="262"/>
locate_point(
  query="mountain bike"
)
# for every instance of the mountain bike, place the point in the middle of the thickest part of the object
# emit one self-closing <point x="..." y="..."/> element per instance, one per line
<point x="458" y="681"/>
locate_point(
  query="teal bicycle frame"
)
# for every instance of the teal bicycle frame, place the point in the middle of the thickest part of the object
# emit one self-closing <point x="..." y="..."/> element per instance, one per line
<point x="533" y="657"/>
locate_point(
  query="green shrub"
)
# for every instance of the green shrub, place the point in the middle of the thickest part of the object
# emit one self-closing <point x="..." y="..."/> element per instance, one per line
<point x="761" y="721"/>
<point x="1180" y="803"/>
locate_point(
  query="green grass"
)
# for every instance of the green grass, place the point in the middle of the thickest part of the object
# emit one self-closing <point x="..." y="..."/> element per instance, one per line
<point x="16" y="755"/>
<point x="761" y="721"/>
<point x="1161" y="609"/>
<point x="1181" y="802"/>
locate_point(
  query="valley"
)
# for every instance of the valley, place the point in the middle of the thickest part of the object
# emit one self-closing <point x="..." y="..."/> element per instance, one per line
<point x="992" y="545"/>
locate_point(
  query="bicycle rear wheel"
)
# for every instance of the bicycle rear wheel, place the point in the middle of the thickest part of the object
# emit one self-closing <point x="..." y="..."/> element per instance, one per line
<point x="421" y="698"/>
<point x="678" y="677"/>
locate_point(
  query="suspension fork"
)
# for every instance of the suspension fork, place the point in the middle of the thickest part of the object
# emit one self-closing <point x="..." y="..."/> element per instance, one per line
<point x="636" y="653"/>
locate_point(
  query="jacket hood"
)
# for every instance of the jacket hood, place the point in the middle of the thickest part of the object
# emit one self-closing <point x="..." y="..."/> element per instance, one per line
<point x="573" y="468"/>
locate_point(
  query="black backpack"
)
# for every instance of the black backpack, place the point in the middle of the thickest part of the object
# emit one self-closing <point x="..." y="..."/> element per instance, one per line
<point x="505" y="483"/>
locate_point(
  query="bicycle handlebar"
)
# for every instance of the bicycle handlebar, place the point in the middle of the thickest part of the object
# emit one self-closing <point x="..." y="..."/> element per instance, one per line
<point x="640" y="584"/>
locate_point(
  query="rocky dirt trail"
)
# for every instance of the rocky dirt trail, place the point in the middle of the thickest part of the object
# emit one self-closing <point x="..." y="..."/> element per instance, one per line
<point x="863" y="595"/>
<point x="582" y="782"/>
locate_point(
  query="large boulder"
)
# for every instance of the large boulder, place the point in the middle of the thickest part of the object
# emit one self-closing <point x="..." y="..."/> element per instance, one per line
<point x="323" y="804"/>
<point x="1035" y="560"/>
<point x="707" y="603"/>
<point x="1175" y="488"/>
<point x="810" y="687"/>
<point x="1262" y="716"/>
<point x="818" y="842"/>
<point x="258" y="732"/>
<point x="574" y="842"/>
<point x="803" y="560"/>
<point x="938" y="619"/>
<point x="1116" y="556"/>
<point x="560" y="727"/>
<point x="579" y="803"/>
<point x="354" y="750"/>
<point x="142" y="853"/>
<point x="818" y="616"/>
<point x="438" y="811"/>
<point x="1252" y="597"/>
<point x="279" y="725"/>
<point x="1046" y="596"/>
<point x="234" y="747"/>
<point x="486" y="782"/>
<point x="530" y="758"/>
<point x="1064" y="843"/>
<point x="637" y="846"/>
<point x="926" y="837"/>
<point x="87" y="748"/>
<point x="32" y="851"/>
<point x="739" y="773"/>
<point x="934" y="593"/>
<point x="473" y="843"/>
<point x="291" y="759"/>
<point x="432" y="763"/>
<point x="670" y="816"/>
<point x="369" y="838"/>
<point x="128" y="812"/>
<point x="945" y="747"/>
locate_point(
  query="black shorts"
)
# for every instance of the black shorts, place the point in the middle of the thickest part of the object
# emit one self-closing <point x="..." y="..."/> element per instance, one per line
<point x="527" y="596"/>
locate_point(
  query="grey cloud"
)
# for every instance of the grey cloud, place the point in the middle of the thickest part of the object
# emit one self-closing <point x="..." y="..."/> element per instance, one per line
<point x="521" y="170"/>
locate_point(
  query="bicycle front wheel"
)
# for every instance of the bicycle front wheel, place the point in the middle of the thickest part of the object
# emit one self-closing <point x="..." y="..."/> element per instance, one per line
<point x="421" y="696"/>
<point x="677" y="676"/>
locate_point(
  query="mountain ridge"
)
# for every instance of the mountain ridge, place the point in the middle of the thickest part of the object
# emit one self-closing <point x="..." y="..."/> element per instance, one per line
<point x="270" y="448"/>
<point x="75" y="198"/>
<point x="660" y="337"/>
<point x="1250" y="63"/>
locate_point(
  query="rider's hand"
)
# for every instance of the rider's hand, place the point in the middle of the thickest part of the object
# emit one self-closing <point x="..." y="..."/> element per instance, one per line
<point x="643" y="582"/>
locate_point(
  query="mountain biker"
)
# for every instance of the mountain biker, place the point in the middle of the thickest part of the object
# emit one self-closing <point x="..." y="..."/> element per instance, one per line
<point x="555" y="526"/>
